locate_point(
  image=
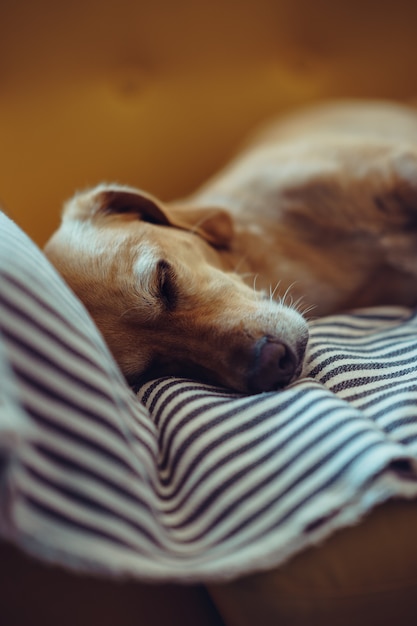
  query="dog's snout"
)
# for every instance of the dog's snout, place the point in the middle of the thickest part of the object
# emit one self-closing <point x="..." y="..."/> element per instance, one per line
<point x="274" y="365"/>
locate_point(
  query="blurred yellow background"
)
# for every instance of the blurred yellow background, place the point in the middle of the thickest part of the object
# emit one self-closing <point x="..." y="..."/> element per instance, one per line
<point x="158" y="95"/>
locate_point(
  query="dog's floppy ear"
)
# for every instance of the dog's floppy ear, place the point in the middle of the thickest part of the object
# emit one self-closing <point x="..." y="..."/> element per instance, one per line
<point x="104" y="201"/>
<point x="212" y="224"/>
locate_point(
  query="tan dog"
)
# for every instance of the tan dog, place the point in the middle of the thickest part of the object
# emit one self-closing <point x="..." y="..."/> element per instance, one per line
<point x="323" y="202"/>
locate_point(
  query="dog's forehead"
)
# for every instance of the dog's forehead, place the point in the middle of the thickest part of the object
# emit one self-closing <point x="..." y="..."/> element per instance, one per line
<point x="145" y="257"/>
<point x="166" y="243"/>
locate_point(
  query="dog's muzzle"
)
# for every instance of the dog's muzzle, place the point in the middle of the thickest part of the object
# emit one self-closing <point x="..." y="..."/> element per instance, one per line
<point x="274" y="364"/>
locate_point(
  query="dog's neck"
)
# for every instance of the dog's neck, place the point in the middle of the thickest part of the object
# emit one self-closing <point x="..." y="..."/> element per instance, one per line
<point x="269" y="257"/>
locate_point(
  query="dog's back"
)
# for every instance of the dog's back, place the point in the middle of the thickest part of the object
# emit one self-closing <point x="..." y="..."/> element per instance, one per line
<point x="327" y="197"/>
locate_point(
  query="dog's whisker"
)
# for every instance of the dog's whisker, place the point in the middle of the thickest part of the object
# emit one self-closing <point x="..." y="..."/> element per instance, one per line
<point x="275" y="289"/>
<point x="301" y="308"/>
<point x="239" y="263"/>
<point x="246" y="275"/>
<point x="297" y="303"/>
<point x="286" y="294"/>
<point x="132" y="308"/>
<point x="254" y="282"/>
<point x="306" y="311"/>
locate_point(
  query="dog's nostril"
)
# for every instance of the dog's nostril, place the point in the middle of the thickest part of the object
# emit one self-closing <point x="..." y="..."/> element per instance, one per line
<point x="302" y="348"/>
<point x="273" y="366"/>
<point x="287" y="363"/>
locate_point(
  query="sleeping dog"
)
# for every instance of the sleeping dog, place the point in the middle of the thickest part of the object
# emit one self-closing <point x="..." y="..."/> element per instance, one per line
<point x="321" y="205"/>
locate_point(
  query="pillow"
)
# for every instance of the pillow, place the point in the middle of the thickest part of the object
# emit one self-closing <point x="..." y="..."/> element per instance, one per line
<point x="191" y="483"/>
<point x="73" y="435"/>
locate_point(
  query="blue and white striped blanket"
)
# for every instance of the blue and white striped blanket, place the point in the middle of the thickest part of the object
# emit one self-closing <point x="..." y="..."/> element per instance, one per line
<point x="190" y="482"/>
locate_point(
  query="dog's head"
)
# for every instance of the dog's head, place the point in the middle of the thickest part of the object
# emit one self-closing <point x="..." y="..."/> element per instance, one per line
<point x="155" y="281"/>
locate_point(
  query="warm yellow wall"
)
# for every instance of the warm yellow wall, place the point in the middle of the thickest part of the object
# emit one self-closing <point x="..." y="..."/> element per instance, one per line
<point x="157" y="95"/>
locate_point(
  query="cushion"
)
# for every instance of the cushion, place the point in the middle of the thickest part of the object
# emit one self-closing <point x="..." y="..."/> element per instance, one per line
<point x="188" y="482"/>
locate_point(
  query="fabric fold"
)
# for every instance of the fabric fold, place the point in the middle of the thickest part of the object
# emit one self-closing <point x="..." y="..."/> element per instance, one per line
<point x="187" y="482"/>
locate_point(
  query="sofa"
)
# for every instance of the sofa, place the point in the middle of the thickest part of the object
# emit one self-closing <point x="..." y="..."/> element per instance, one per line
<point x="185" y="503"/>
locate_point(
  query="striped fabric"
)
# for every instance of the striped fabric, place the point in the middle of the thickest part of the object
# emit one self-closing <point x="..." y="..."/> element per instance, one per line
<point x="186" y="481"/>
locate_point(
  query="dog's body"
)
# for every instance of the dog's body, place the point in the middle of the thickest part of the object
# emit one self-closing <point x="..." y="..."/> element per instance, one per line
<point x="323" y="203"/>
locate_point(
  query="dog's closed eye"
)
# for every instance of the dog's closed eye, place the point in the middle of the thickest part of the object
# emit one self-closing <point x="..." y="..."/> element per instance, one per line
<point x="167" y="285"/>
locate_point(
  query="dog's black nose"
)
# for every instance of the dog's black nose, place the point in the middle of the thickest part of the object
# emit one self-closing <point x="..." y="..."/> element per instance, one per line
<point x="274" y="364"/>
